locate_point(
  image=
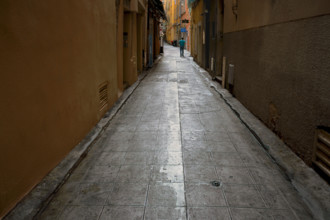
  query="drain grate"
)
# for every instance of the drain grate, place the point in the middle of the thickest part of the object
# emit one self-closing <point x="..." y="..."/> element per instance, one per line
<point x="215" y="183"/>
<point x="321" y="157"/>
<point x="103" y="95"/>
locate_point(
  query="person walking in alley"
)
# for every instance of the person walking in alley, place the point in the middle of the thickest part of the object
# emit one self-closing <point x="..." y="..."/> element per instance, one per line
<point x="182" y="43"/>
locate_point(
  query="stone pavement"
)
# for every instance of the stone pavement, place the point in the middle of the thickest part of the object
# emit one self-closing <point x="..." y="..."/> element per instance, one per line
<point x="159" y="155"/>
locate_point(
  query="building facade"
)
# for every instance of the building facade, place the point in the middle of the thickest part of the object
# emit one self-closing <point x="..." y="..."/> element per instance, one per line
<point x="197" y="31"/>
<point x="63" y="66"/>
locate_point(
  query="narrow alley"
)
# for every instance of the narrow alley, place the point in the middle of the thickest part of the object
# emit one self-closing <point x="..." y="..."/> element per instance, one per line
<point x="176" y="151"/>
<point x="103" y="117"/>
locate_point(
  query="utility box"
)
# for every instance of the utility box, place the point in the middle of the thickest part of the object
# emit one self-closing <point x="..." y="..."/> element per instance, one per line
<point x="212" y="64"/>
<point x="231" y="74"/>
<point x="161" y="45"/>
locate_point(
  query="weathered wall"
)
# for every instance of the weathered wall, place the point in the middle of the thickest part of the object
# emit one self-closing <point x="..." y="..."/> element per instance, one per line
<point x="130" y="49"/>
<point x="139" y="35"/>
<point x="119" y="45"/>
<point x="145" y="36"/>
<point x="169" y="10"/>
<point x="282" y="75"/>
<point x="213" y="13"/>
<point x="219" y="38"/>
<point x="197" y="35"/>
<point x="257" y="13"/>
<point x="156" y="39"/>
<point x="54" y="54"/>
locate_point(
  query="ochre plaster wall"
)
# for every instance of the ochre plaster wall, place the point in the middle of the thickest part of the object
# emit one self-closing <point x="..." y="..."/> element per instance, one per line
<point x="196" y="19"/>
<point x="54" y="54"/>
<point x="130" y="50"/>
<point x="257" y="13"/>
<point x="119" y="45"/>
<point x="170" y="16"/>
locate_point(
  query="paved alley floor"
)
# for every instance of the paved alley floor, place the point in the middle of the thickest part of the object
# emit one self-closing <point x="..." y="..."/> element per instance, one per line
<point x="158" y="157"/>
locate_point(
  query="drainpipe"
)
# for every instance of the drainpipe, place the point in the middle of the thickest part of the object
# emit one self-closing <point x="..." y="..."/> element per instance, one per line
<point x="180" y="19"/>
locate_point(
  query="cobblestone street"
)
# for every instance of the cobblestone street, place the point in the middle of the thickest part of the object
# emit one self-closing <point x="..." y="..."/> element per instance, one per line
<point x="161" y="153"/>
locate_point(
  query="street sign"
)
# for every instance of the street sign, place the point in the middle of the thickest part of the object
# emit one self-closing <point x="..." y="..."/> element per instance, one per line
<point x="183" y="30"/>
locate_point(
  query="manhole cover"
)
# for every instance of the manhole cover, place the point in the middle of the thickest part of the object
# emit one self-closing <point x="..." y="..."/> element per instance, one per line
<point x="216" y="183"/>
<point x="183" y="81"/>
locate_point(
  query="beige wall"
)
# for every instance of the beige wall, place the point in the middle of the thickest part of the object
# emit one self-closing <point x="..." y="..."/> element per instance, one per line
<point x="54" y="54"/>
<point x="120" y="31"/>
<point x="196" y="40"/>
<point x="130" y="50"/>
<point x="256" y="13"/>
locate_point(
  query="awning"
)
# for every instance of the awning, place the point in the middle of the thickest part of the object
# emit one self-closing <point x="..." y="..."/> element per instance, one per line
<point x="157" y="9"/>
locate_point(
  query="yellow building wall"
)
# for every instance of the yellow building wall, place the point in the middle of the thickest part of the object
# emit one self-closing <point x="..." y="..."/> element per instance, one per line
<point x="176" y="19"/>
<point x="119" y="47"/>
<point x="257" y="13"/>
<point x="196" y="19"/>
<point x="53" y="57"/>
<point x="170" y="31"/>
<point x="173" y="21"/>
<point x="130" y="49"/>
